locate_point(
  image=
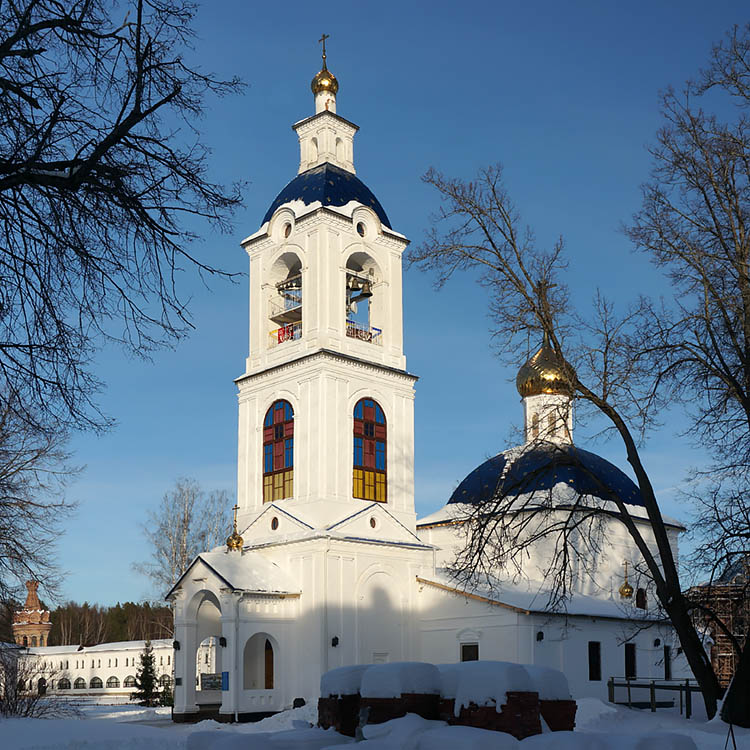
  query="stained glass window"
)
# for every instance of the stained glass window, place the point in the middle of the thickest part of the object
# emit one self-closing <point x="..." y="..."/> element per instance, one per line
<point x="278" y="452"/>
<point x="369" y="480"/>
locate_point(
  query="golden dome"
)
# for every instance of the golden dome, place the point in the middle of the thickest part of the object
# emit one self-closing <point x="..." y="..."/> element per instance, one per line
<point x="626" y="590"/>
<point x="234" y="541"/>
<point x="545" y="373"/>
<point x="324" y="81"/>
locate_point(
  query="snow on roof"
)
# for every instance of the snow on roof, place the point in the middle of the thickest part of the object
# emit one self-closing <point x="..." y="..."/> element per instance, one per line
<point x="532" y="597"/>
<point x="245" y="571"/>
<point x="400" y="678"/>
<point x="157" y="643"/>
<point x="452" y="512"/>
<point x="485" y="683"/>
<point x="342" y="681"/>
<point x="551" y="684"/>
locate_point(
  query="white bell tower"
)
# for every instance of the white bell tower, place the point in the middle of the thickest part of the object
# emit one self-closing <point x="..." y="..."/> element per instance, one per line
<point x="326" y="406"/>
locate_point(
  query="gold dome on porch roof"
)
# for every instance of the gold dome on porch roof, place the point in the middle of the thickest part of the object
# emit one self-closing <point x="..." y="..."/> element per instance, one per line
<point x="234" y="540"/>
<point x="544" y="372"/>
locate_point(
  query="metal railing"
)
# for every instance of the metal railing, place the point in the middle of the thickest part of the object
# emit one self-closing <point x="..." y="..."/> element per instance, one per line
<point x="290" y="332"/>
<point x="362" y="332"/>
<point x="686" y="688"/>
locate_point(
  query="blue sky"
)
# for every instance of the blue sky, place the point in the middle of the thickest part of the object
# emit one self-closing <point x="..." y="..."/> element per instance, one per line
<point x="565" y="95"/>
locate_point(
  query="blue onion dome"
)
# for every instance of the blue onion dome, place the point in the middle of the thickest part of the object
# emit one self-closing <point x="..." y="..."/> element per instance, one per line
<point x="572" y="471"/>
<point x="545" y="372"/>
<point x="331" y="186"/>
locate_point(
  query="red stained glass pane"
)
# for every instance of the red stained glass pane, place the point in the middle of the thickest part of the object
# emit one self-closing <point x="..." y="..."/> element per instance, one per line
<point x="289" y="429"/>
<point x="380" y="431"/>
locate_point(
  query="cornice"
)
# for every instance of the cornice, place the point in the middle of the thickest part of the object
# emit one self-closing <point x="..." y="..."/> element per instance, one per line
<point x="328" y="354"/>
<point x="304" y="125"/>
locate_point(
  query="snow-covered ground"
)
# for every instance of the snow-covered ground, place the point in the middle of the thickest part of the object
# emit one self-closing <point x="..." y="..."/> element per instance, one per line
<point x="599" y="726"/>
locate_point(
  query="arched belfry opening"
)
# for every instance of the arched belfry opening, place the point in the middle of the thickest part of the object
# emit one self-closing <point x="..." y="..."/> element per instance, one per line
<point x="258" y="663"/>
<point x="364" y="305"/>
<point x="285" y="296"/>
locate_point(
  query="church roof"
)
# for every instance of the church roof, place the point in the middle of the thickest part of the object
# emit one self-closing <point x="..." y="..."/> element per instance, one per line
<point x="243" y="571"/>
<point x="331" y="186"/>
<point x="534" y="597"/>
<point x="545" y="466"/>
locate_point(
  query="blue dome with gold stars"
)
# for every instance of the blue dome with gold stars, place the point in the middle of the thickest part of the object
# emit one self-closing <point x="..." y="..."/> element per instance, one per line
<point x="544" y="466"/>
<point x="330" y="185"/>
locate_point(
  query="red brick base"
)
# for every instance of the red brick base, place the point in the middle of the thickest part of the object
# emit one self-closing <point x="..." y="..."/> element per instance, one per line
<point x="559" y="715"/>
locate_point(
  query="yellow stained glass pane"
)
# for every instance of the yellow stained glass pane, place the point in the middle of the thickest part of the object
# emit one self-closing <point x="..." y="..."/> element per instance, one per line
<point x="278" y="486"/>
<point x="267" y="489"/>
<point x="289" y="483"/>
<point x="380" y="488"/>
<point x="358" y="489"/>
<point x="369" y="485"/>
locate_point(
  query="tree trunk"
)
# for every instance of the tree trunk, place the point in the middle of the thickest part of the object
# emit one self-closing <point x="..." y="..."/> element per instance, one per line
<point x="695" y="653"/>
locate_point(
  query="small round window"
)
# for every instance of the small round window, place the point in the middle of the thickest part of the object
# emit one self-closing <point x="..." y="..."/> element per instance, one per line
<point x="274" y="523"/>
<point x="373" y="522"/>
<point x="361" y="228"/>
<point x="287" y="230"/>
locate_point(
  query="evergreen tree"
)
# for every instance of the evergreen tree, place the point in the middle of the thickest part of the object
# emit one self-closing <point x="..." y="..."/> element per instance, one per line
<point x="146" y="683"/>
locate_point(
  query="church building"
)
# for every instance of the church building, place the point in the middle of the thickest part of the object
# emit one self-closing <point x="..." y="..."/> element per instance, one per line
<point x="328" y="564"/>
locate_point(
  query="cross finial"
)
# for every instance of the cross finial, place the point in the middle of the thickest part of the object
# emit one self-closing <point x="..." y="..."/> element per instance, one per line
<point x="323" y="41"/>
<point x="626" y="570"/>
<point x="235" y="508"/>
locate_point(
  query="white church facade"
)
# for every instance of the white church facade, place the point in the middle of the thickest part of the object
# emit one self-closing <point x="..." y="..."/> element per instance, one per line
<point x="328" y="564"/>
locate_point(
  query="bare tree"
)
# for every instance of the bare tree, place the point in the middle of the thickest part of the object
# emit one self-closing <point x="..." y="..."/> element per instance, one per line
<point x="483" y="232"/>
<point x="23" y="688"/>
<point x="101" y="165"/>
<point x="695" y="349"/>
<point x="33" y="476"/>
<point x="188" y="521"/>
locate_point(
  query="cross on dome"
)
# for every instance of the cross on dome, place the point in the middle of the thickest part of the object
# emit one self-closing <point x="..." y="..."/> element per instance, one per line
<point x="324" y="85"/>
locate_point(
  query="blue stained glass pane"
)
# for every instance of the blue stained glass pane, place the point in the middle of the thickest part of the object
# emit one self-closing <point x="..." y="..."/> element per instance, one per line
<point x="380" y="455"/>
<point x="288" y="414"/>
<point x="288" y="453"/>
<point x="279" y="405"/>
<point x="369" y="402"/>
<point x="268" y="458"/>
<point x="269" y="418"/>
<point x="358" y="451"/>
<point x="379" y="416"/>
<point x="358" y="410"/>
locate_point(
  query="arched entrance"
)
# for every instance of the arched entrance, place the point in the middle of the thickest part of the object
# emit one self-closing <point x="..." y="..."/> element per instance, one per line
<point x="41" y="686"/>
<point x="258" y="663"/>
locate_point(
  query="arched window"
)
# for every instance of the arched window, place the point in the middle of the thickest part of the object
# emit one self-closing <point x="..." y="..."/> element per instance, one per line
<point x="640" y="598"/>
<point x="165" y="680"/>
<point x="63" y="684"/>
<point x="79" y="684"/>
<point x="25" y="641"/>
<point x="369" y="477"/>
<point x="278" y="452"/>
<point x="129" y="681"/>
<point x="113" y="682"/>
<point x="33" y="641"/>
<point x="96" y="682"/>
<point x="41" y="640"/>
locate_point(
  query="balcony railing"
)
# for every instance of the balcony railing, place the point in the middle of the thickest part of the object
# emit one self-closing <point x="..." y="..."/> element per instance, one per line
<point x="291" y="332"/>
<point x="362" y="332"/>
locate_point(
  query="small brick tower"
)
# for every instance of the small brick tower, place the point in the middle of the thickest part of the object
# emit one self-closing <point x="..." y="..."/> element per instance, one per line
<point x="31" y="625"/>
